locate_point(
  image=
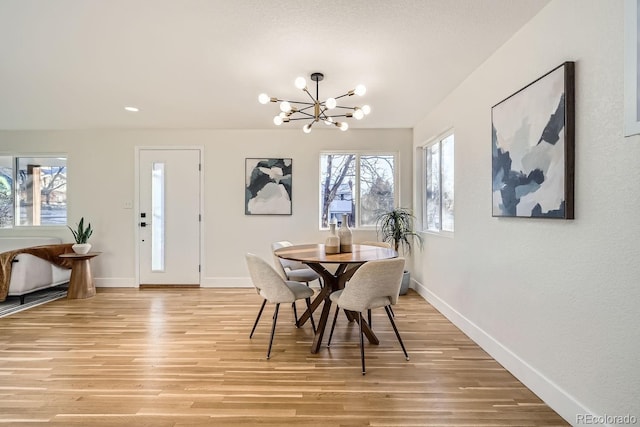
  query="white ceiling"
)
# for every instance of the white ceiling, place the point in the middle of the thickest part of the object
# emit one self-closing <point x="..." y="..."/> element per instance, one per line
<point x="74" y="64"/>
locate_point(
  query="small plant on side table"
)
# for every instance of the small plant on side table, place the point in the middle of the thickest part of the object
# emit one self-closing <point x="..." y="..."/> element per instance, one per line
<point x="81" y="236"/>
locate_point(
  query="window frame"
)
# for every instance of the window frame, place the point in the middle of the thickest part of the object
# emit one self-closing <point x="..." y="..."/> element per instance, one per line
<point x="424" y="148"/>
<point x="15" y="161"/>
<point x="356" y="191"/>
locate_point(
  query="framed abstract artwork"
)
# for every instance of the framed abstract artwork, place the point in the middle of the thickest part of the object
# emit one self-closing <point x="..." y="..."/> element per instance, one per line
<point x="533" y="148"/>
<point x="267" y="186"/>
<point x="631" y="68"/>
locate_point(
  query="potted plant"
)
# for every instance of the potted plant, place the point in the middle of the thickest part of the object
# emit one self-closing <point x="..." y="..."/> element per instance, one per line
<point x="81" y="236"/>
<point x="396" y="227"/>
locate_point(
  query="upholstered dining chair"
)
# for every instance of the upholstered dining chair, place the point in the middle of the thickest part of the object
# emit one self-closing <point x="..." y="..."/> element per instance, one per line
<point x="274" y="289"/>
<point x="381" y="245"/>
<point x="293" y="270"/>
<point x="374" y="285"/>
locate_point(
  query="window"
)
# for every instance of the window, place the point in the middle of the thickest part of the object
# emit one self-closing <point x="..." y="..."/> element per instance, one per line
<point x="33" y="191"/>
<point x="362" y="185"/>
<point x="438" y="210"/>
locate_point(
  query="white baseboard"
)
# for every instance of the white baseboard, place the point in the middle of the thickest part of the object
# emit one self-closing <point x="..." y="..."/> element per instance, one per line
<point x="115" y="282"/>
<point x="206" y="282"/>
<point x="226" y="282"/>
<point x="554" y="396"/>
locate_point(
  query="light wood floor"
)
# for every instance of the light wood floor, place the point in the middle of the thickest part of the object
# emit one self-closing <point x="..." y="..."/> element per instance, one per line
<point x="131" y="357"/>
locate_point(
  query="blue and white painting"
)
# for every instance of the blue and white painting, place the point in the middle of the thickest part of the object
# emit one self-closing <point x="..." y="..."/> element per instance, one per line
<point x="268" y="187"/>
<point x="529" y="150"/>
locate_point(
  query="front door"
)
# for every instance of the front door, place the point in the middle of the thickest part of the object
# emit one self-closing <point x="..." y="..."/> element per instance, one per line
<point x="169" y="216"/>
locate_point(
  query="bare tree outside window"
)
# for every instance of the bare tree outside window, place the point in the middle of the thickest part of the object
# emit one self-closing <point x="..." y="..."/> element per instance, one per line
<point x="376" y="187"/>
<point x="342" y="174"/>
<point x="337" y="178"/>
<point x="39" y="189"/>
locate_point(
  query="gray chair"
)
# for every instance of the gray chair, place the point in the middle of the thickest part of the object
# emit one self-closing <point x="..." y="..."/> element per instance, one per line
<point x="274" y="289"/>
<point x="376" y="284"/>
<point x="293" y="270"/>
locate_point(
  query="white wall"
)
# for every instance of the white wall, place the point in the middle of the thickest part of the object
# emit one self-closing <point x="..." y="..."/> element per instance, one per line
<point x="556" y="302"/>
<point x="101" y="180"/>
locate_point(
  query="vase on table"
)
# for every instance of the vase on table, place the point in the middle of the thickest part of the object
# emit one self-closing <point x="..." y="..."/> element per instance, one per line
<point x="332" y="244"/>
<point x="81" y="248"/>
<point x="345" y="235"/>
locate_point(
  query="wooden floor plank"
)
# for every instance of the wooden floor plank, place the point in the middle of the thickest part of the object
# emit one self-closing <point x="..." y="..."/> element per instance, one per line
<point x="183" y="357"/>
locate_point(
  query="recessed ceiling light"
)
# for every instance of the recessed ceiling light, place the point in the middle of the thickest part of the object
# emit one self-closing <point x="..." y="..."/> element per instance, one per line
<point x="132" y="109"/>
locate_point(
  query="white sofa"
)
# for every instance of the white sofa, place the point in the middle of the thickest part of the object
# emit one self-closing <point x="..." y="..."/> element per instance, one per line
<point x="30" y="273"/>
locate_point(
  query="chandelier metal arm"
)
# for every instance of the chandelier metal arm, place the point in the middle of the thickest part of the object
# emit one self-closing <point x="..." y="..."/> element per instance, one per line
<point x="293" y="102"/>
<point x="311" y="96"/>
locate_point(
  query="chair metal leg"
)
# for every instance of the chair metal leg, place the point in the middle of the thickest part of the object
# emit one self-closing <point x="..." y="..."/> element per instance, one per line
<point x="392" y="313"/>
<point x="295" y="313"/>
<point x="313" y="323"/>
<point x="361" y="342"/>
<point x="257" y="318"/>
<point x="387" y="309"/>
<point x="369" y="318"/>
<point x="273" y="330"/>
<point x="333" y="326"/>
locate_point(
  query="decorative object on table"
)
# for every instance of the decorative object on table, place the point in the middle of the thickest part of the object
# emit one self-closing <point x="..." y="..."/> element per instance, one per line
<point x="332" y="244"/>
<point x="396" y="227"/>
<point x="268" y="186"/>
<point x="533" y="148"/>
<point x="317" y="110"/>
<point x="81" y="236"/>
<point x="631" y="67"/>
<point x="345" y="235"/>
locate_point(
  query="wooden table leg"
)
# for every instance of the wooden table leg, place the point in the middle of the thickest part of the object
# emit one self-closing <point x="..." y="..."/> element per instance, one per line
<point x="81" y="282"/>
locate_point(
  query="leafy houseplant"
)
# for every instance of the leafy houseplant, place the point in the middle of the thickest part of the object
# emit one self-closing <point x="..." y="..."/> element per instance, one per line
<point x="81" y="236"/>
<point x="396" y="227"/>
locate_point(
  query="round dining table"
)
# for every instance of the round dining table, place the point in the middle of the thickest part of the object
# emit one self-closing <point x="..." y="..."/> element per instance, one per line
<point x="346" y="264"/>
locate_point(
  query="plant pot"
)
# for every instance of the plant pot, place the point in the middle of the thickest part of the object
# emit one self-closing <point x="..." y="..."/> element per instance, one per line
<point x="404" y="285"/>
<point x="81" y="248"/>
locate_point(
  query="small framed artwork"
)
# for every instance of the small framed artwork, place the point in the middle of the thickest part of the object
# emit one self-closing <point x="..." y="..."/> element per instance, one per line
<point x="533" y="148"/>
<point x="631" y="68"/>
<point x="267" y="186"/>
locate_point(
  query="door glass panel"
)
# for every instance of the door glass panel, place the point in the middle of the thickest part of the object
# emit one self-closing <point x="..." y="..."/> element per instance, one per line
<point x="157" y="216"/>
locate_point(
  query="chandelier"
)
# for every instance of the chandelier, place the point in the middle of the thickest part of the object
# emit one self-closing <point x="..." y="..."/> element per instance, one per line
<point x="314" y="110"/>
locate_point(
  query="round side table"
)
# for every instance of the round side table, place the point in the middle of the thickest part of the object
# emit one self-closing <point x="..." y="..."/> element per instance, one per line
<point x="81" y="282"/>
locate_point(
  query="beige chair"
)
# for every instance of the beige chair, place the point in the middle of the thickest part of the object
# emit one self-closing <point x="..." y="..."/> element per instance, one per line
<point x="274" y="289"/>
<point x="293" y="270"/>
<point x="382" y="245"/>
<point x="376" y="284"/>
